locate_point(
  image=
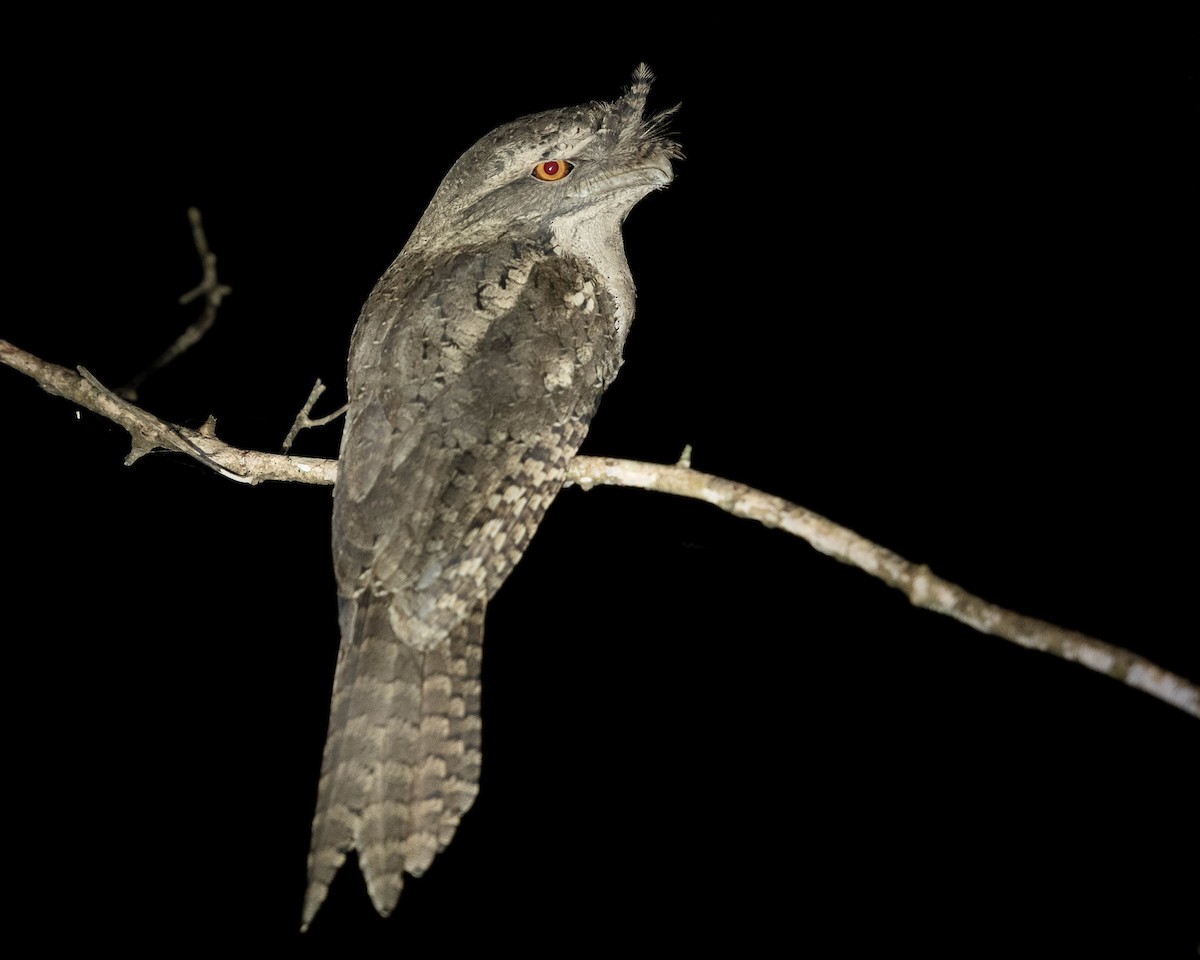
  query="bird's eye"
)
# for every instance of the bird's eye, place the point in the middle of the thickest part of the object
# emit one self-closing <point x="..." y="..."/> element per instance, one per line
<point x="551" y="170"/>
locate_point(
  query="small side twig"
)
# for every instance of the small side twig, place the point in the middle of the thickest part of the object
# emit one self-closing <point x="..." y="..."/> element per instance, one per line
<point x="213" y="292"/>
<point x="303" y="421"/>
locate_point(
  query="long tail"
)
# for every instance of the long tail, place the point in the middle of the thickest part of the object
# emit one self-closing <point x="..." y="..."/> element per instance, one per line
<point x="402" y="756"/>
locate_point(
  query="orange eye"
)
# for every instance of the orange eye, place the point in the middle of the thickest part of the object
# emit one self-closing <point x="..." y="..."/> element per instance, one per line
<point x="551" y="170"/>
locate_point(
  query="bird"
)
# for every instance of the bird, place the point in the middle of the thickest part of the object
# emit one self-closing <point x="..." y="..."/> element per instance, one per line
<point x="475" y="367"/>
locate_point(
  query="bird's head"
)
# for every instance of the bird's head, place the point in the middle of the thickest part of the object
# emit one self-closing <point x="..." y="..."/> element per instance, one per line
<point x="554" y="173"/>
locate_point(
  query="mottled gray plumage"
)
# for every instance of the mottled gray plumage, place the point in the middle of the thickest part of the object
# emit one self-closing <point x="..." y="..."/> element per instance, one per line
<point x="475" y="368"/>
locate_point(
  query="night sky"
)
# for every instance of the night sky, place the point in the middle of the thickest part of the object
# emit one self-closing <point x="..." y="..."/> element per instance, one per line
<point x="934" y="291"/>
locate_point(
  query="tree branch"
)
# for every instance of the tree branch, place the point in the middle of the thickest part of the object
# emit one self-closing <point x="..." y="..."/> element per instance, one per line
<point x="148" y="433"/>
<point x="916" y="581"/>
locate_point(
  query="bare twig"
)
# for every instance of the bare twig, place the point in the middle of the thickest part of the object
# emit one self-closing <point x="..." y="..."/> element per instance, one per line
<point x="213" y="292"/>
<point x="916" y="581"/>
<point x="303" y="421"/>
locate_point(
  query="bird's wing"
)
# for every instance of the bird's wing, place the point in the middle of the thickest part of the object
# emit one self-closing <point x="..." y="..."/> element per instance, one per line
<point x="485" y="375"/>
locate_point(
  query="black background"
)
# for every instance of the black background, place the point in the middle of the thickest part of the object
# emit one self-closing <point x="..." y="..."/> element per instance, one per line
<point x="927" y="279"/>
